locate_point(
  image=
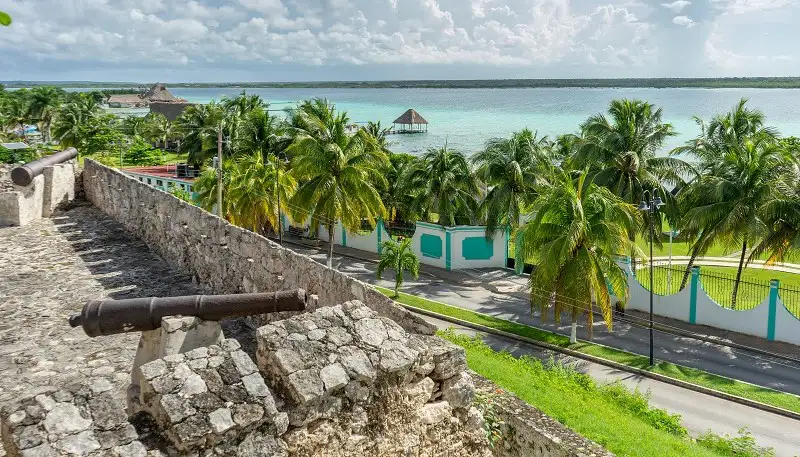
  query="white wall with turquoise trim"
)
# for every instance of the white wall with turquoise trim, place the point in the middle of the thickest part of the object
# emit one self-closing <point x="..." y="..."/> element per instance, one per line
<point x="469" y="248"/>
<point x="770" y="319"/>
<point x="430" y="244"/>
<point x="165" y="182"/>
<point x="787" y="326"/>
<point x="369" y="242"/>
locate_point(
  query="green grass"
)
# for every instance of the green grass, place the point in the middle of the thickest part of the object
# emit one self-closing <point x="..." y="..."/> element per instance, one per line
<point x="609" y="419"/>
<point x="691" y="375"/>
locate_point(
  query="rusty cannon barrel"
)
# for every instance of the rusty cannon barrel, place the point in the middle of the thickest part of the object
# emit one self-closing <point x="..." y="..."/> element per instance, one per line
<point x="109" y="317"/>
<point x="24" y="174"/>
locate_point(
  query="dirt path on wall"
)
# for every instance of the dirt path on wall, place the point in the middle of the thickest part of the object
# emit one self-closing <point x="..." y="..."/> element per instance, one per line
<point x="50" y="269"/>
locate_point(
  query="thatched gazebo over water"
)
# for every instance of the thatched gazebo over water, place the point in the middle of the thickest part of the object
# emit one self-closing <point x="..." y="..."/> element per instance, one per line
<point x="410" y="122"/>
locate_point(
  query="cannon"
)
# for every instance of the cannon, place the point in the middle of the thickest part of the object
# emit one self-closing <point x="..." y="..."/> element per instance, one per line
<point x="24" y="174"/>
<point x="109" y="317"/>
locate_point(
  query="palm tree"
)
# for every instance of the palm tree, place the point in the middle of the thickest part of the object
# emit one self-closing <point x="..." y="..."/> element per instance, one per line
<point x="379" y="133"/>
<point x="261" y="134"/>
<point x="340" y="174"/>
<point x="442" y="182"/>
<point x="255" y="188"/>
<point x="72" y="122"/>
<point x="15" y="112"/>
<point x="576" y="229"/>
<point x="400" y="257"/>
<point x="43" y="103"/>
<point x="160" y="129"/>
<point x="729" y="202"/>
<point x="237" y="109"/>
<point x="511" y="168"/>
<point x="621" y="151"/>
<point x="719" y="139"/>
<point x="199" y="126"/>
<point x="133" y="126"/>
<point x="395" y="197"/>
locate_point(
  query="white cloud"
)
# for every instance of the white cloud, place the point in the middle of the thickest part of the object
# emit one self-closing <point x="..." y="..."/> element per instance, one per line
<point x="677" y="6"/>
<point x="683" y="21"/>
<point x="566" y="38"/>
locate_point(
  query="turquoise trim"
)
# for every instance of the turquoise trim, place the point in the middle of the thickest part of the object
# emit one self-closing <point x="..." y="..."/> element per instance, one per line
<point x="429" y="225"/>
<point x="344" y="237"/>
<point x="379" y="228"/>
<point x="773" y="308"/>
<point x="447" y="262"/>
<point x="430" y="245"/>
<point x="508" y="236"/>
<point x="477" y="248"/>
<point x="693" y="295"/>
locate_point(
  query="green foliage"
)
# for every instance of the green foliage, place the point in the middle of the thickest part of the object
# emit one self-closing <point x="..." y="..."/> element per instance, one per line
<point x="400" y="257"/>
<point x="17" y="155"/>
<point x="616" y="421"/>
<point x="183" y="194"/>
<point x="442" y="187"/>
<point x="492" y="423"/>
<point x="511" y="168"/>
<point x="5" y="19"/>
<point x="140" y="152"/>
<point x="339" y="173"/>
<point x="576" y="230"/>
<point x="742" y="445"/>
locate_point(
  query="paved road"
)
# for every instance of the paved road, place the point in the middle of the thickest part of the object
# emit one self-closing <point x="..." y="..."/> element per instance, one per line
<point x="470" y="293"/>
<point x="700" y="412"/>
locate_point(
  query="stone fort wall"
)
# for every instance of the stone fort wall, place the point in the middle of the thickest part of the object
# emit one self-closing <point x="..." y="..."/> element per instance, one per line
<point x="358" y="388"/>
<point x="222" y="257"/>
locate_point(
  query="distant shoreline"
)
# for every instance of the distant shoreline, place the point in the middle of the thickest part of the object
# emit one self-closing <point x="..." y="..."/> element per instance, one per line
<point x="651" y="83"/>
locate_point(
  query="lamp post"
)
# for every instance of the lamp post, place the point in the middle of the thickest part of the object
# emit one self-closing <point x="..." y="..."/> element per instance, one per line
<point x="651" y="207"/>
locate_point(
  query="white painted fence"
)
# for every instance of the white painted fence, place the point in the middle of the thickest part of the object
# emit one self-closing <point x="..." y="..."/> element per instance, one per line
<point x="770" y="319"/>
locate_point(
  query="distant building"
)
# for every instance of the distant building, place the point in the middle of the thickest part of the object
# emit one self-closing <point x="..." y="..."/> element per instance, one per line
<point x="157" y="93"/>
<point x="170" y="110"/>
<point x="164" y="177"/>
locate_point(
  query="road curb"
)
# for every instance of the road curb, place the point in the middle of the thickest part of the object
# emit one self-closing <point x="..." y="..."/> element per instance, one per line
<point x="610" y="363"/>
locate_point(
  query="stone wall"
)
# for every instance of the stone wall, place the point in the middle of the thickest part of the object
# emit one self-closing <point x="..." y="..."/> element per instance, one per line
<point x="59" y="188"/>
<point x="220" y="256"/>
<point x="526" y="431"/>
<point x="20" y="205"/>
<point x="339" y="382"/>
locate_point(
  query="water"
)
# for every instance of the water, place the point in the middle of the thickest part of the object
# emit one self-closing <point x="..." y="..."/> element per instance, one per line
<point x="466" y="118"/>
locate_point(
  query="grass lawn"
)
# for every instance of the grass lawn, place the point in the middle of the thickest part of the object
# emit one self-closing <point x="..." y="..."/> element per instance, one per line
<point x="691" y="375"/>
<point x="610" y="420"/>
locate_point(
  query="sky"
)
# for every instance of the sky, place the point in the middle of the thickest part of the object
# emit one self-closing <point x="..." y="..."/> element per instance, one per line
<point x="324" y="40"/>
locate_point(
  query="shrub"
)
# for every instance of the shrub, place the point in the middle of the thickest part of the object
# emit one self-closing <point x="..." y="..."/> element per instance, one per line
<point x="743" y="445"/>
<point x="141" y="152"/>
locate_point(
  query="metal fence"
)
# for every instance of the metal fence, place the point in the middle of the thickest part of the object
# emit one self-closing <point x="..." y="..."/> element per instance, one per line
<point x="666" y="279"/>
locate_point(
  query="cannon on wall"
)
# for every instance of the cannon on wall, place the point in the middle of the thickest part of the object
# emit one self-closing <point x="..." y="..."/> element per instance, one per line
<point x="109" y="317"/>
<point x="24" y="174"/>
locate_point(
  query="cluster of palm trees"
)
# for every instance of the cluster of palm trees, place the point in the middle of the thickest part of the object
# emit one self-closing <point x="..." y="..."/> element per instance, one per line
<point x="570" y="201"/>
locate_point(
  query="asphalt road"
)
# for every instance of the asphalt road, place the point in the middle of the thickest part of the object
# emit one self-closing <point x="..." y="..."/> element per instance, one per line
<point x="699" y="412"/>
<point x="469" y="294"/>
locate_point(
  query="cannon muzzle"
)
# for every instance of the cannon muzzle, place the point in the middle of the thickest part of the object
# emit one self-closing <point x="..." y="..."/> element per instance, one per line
<point x="109" y="317"/>
<point x="24" y="174"/>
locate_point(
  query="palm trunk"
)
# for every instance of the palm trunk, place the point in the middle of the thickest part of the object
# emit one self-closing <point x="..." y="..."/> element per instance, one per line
<point x="738" y="275"/>
<point x="330" y="246"/>
<point x="573" y="335"/>
<point x="688" y="269"/>
<point x="398" y="281"/>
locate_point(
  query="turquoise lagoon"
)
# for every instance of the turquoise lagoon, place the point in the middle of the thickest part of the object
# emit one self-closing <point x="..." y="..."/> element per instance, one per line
<point x="466" y="118"/>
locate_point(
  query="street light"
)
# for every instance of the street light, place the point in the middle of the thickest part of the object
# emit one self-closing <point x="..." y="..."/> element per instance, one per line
<point x="651" y="207"/>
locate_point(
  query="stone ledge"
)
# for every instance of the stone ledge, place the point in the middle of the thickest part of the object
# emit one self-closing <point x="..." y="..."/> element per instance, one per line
<point x="529" y="432"/>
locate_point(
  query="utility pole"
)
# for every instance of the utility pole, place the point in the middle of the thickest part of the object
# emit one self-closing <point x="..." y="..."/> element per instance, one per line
<point x="219" y="172"/>
<point x="278" y="190"/>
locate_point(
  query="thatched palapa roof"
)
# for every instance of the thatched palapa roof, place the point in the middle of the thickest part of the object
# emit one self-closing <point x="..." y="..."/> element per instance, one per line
<point x="159" y="93"/>
<point x="410" y="117"/>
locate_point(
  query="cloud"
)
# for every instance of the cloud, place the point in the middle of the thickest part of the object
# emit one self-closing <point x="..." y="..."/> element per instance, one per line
<point x="683" y="21"/>
<point x="361" y="38"/>
<point x="677" y="6"/>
